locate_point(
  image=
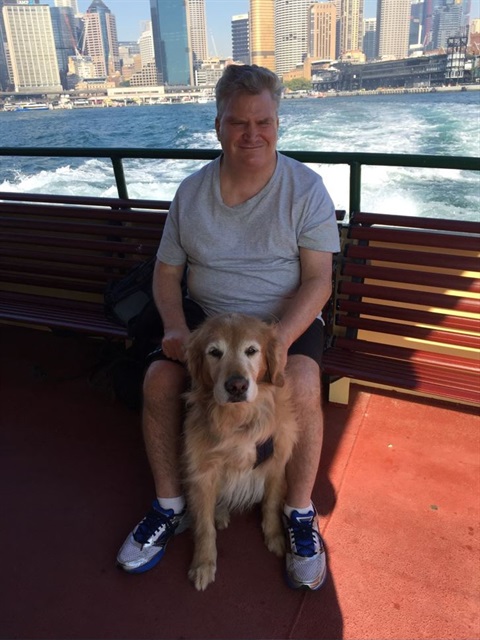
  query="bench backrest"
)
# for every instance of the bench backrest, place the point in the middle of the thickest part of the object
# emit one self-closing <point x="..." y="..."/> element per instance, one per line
<point x="410" y="282"/>
<point x="69" y="244"/>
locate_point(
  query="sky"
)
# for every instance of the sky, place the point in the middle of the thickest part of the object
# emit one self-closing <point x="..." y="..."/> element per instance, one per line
<point x="130" y="13"/>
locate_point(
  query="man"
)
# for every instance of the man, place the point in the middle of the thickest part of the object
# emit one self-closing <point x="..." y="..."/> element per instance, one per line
<point x="256" y="231"/>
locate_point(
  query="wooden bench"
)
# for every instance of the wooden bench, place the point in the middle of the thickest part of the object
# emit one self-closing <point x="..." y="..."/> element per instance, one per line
<point x="57" y="254"/>
<point x="407" y="307"/>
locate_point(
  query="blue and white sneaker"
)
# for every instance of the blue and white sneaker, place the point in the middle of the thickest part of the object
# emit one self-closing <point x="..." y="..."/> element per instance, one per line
<point x="145" y="546"/>
<point x="305" y="556"/>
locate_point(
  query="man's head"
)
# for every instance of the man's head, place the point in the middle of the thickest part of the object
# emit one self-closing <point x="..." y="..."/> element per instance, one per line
<point x="246" y="79"/>
<point x="247" y="118"/>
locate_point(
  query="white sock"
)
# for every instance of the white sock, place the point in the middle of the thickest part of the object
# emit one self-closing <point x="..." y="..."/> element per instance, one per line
<point x="177" y="504"/>
<point x="303" y="512"/>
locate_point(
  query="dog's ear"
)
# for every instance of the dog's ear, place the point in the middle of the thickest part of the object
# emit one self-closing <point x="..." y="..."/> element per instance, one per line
<point x="195" y="358"/>
<point x="275" y="371"/>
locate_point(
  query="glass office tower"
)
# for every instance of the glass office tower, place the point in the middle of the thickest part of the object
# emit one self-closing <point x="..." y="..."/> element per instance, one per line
<point x="170" y="26"/>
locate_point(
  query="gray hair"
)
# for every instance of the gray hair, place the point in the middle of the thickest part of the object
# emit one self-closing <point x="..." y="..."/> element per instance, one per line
<point x="246" y="79"/>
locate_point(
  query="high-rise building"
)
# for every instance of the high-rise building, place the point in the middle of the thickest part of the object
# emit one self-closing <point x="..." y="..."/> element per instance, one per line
<point x="64" y="34"/>
<point x="393" y="26"/>
<point x="292" y="25"/>
<point x="145" y="43"/>
<point x="349" y="25"/>
<point x="31" y="46"/>
<point x="322" y="32"/>
<point x="262" y="35"/>
<point x="5" y="66"/>
<point x="71" y="4"/>
<point x="447" y="23"/>
<point x="416" y="35"/>
<point x="100" y="40"/>
<point x="370" y="38"/>
<point x="240" y="38"/>
<point x="198" y="31"/>
<point x="170" y="26"/>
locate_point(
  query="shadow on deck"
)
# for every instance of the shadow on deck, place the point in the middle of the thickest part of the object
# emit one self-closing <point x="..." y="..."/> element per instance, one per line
<point x="398" y="490"/>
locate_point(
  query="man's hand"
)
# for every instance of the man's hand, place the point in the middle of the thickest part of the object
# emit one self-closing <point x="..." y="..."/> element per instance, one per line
<point x="173" y="343"/>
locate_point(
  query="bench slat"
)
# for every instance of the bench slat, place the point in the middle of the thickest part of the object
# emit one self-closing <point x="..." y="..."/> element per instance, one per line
<point x="417" y="277"/>
<point x="417" y="238"/>
<point x="460" y="323"/>
<point x="435" y="224"/>
<point x="409" y="296"/>
<point x="408" y="331"/>
<point x="421" y="258"/>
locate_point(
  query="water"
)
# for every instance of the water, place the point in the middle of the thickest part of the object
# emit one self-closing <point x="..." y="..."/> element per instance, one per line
<point x="434" y="124"/>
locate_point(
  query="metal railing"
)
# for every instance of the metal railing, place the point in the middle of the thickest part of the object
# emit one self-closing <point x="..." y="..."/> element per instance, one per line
<point x="355" y="161"/>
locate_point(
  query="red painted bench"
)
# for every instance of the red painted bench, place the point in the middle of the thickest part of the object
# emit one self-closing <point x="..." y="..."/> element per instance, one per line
<point x="407" y="307"/>
<point x="57" y="254"/>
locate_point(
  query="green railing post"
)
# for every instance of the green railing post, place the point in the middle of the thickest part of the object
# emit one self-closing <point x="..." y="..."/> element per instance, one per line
<point x="355" y="186"/>
<point x="119" y="177"/>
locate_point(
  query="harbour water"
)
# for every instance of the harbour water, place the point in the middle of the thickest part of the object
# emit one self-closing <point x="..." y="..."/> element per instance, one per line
<point x="433" y="124"/>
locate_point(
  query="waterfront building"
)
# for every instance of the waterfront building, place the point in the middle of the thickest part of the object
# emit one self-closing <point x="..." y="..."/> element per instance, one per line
<point x="198" y="31"/>
<point x="370" y="38"/>
<point x="100" y="39"/>
<point x="31" y="46"/>
<point x="210" y="72"/>
<point x="322" y="32"/>
<point x="173" y="55"/>
<point x="474" y="36"/>
<point x="393" y="27"/>
<point x="241" y="38"/>
<point x="262" y="34"/>
<point x="291" y="33"/>
<point x="349" y="25"/>
<point x="147" y="76"/>
<point x="79" y="68"/>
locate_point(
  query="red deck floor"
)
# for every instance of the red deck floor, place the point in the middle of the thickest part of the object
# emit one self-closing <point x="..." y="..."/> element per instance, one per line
<point x="398" y="489"/>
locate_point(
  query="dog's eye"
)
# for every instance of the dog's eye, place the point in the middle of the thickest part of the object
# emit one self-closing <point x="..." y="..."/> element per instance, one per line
<point x="251" y="351"/>
<point x="215" y="353"/>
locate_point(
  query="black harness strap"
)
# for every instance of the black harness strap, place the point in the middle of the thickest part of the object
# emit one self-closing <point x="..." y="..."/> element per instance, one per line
<point x="264" y="451"/>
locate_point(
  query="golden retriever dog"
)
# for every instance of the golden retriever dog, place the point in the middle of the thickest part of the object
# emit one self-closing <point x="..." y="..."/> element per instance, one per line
<point x="239" y="401"/>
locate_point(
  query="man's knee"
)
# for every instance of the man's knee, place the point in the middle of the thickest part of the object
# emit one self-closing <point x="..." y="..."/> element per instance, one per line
<point x="164" y="379"/>
<point x="304" y="374"/>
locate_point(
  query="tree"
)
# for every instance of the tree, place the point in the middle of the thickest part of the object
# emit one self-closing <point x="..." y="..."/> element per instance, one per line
<point x="298" y="84"/>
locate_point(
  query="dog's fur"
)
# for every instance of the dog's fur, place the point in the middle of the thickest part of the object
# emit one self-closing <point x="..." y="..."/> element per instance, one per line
<point x="239" y="398"/>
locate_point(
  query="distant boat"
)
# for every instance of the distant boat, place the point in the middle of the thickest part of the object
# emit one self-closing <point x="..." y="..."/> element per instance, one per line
<point x="81" y="103"/>
<point x="26" y="106"/>
<point x="205" y="99"/>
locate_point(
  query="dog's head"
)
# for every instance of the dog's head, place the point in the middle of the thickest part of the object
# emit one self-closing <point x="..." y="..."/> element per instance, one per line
<point x="231" y="354"/>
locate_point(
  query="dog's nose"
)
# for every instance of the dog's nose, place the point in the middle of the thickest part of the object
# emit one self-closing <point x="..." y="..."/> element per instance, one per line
<point x="236" y="387"/>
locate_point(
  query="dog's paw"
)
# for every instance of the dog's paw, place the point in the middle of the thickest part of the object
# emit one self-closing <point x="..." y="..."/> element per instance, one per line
<point x="202" y="575"/>
<point x="222" y="519"/>
<point x="276" y="544"/>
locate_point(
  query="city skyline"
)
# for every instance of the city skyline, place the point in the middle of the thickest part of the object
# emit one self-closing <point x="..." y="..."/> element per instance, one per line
<point x="130" y="14"/>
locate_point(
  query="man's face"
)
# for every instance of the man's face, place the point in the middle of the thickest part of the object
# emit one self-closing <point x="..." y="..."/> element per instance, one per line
<point x="248" y="130"/>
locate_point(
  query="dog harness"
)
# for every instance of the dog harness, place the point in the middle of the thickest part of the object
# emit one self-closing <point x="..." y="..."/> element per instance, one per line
<point x="264" y="451"/>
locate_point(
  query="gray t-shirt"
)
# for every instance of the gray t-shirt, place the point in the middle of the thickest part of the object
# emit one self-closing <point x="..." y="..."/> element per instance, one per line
<point x="246" y="258"/>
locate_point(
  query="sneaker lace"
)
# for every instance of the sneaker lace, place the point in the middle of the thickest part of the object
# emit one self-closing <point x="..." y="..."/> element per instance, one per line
<point x="153" y="521"/>
<point x="303" y="535"/>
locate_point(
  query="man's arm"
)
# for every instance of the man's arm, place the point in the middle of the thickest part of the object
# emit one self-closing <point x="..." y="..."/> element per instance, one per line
<point x="167" y="293"/>
<point x="313" y="293"/>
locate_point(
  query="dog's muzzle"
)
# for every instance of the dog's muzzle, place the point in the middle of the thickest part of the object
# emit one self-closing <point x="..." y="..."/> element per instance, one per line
<point x="236" y="388"/>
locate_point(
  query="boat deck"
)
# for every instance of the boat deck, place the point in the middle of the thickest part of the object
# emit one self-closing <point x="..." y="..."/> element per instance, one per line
<point x="398" y="491"/>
